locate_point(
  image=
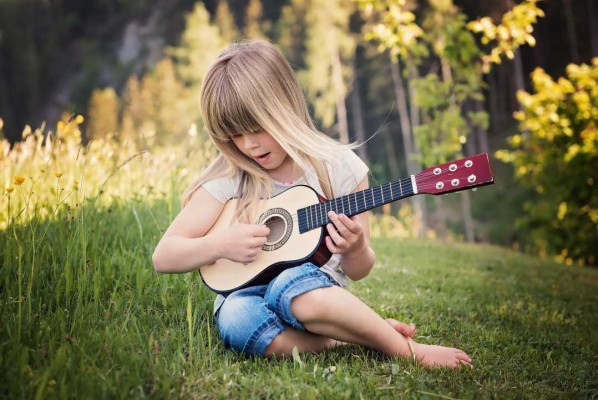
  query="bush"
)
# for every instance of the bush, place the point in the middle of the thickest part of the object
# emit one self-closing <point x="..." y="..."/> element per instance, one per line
<point x="556" y="155"/>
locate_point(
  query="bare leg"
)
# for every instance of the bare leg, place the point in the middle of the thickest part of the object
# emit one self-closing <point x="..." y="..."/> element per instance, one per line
<point x="283" y="344"/>
<point x="336" y="313"/>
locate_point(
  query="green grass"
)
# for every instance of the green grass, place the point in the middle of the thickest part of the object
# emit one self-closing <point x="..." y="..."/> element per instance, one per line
<point x="83" y="315"/>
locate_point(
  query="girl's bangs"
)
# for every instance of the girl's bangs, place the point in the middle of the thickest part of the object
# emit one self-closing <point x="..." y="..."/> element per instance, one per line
<point x="233" y="118"/>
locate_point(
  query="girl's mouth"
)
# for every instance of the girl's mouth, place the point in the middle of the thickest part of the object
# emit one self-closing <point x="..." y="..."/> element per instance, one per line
<point x="263" y="158"/>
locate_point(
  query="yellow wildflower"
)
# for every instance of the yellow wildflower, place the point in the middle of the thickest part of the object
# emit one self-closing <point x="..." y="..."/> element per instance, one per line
<point x="9" y="189"/>
<point x="19" y="179"/>
<point x="79" y="119"/>
<point x="58" y="174"/>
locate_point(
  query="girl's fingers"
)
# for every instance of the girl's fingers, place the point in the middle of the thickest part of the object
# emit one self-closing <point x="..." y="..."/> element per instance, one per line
<point x="330" y="244"/>
<point x="335" y="236"/>
<point x="351" y="224"/>
<point x="340" y="224"/>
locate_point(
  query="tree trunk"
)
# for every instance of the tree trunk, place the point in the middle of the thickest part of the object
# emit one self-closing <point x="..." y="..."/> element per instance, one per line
<point x="570" y="23"/>
<point x="519" y="78"/>
<point x="401" y="98"/>
<point x="593" y="24"/>
<point x="467" y="216"/>
<point x="493" y="102"/>
<point x="339" y="89"/>
<point x="419" y="201"/>
<point x="391" y="155"/>
<point x="481" y="133"/>
<point x="357" y="115"/>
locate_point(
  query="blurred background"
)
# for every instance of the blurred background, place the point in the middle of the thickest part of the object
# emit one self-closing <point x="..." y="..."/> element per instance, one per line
<point x="425" y="81"/>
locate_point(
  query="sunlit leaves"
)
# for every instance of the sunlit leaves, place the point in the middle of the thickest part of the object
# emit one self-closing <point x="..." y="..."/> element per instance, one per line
<point x="514" y="30"/>
<point x="392" y="26"/>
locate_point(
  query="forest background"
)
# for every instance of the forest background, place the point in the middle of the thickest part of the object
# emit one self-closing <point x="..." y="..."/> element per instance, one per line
<point x="422" y="81"/>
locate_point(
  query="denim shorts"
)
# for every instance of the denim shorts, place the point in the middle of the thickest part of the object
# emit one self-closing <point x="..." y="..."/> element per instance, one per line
<point x="250" y="318"/>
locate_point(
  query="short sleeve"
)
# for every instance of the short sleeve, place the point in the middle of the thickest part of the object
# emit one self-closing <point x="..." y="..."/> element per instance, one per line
<point x="346" y="172"/>
<point x="222" y="189"/>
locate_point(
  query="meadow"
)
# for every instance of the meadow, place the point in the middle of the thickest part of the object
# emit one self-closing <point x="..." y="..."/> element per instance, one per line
<point x="84" y="315"/>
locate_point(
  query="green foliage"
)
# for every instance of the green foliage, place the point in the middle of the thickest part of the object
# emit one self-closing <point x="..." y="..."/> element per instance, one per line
<point x="557" y="155"/>
<point x="441" y="137"/>
<point x="393" y="26"/>
<point x="443" y="97"/>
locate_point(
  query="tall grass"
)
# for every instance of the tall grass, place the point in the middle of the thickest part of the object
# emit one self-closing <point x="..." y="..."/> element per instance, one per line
<point x="78" y="223"/>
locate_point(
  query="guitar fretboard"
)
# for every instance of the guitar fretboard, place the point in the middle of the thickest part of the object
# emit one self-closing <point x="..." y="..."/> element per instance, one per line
<point x="316" y="215"/>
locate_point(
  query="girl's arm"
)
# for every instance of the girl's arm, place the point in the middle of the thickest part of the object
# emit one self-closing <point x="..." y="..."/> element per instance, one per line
<point x="350" y="237"/>
<point x="184" y="246"/>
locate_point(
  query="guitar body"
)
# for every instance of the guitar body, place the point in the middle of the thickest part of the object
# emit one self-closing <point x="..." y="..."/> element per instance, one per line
<point x="285" y="246"/>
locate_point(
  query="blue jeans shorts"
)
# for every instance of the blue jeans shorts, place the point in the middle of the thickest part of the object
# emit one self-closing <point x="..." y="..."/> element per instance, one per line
<point x="250" y="318"/>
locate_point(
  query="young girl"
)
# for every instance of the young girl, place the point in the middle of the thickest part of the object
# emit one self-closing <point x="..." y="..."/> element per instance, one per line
<point x="255" y="112"/>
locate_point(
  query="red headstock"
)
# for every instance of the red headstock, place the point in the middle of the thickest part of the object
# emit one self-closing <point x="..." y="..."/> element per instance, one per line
<point x="457" y="175"/>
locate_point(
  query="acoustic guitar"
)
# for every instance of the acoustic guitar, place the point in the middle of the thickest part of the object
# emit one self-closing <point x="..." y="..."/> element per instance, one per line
<point x="298" y="216"/>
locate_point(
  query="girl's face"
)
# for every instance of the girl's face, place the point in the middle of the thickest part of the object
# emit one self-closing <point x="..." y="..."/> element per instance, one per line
<point x="262" y="148"/>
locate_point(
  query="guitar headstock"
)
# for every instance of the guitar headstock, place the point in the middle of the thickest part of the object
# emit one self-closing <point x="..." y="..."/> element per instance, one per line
<point x="457" y="175"/>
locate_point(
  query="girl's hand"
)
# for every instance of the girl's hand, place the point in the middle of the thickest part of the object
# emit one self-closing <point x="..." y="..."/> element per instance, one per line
<point x="346" y="235"/>
<point x="242" y="243"/>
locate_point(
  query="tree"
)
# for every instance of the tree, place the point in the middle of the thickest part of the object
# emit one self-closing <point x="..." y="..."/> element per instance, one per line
<point x="557" y="157"/>
<point x="201" y="42"/>
<point x="103" y="113"/>
<point x="172" y="120"/>
<point x="329" y="52"/>
<point x="254" y="28"/>
<point x="225" y="21"/>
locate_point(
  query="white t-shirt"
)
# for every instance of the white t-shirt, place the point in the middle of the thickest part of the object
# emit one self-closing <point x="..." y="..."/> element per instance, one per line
<point x="346" y="171"/>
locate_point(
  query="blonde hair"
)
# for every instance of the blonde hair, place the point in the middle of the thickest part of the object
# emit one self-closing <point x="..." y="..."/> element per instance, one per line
<point x="251" y="88"/>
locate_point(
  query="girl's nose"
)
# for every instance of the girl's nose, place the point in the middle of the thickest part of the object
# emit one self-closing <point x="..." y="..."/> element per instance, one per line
<point x="249" y="142"/>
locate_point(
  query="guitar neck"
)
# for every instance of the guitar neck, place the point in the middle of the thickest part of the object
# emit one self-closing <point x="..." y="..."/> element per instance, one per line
<point x="316" y="215"/>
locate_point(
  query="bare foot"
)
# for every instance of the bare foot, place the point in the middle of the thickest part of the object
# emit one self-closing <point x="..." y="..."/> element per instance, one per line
<point x="403" y="329"/>
<point x="439" y="356"/>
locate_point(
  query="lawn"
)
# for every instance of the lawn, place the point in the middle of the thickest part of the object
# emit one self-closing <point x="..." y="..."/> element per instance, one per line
<point x="84" y="315"/>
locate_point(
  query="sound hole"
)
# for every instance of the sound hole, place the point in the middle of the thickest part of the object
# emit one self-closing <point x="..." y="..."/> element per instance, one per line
<point x="278" y="228"/>
<point x="280" y="223"/>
